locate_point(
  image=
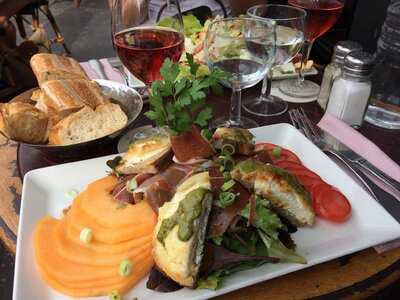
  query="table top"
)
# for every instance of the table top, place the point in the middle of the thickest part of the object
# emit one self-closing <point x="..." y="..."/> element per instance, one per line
<point x="363" y="273"/>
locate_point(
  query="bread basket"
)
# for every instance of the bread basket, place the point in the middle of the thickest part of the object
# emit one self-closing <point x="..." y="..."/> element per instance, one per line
<point x="130" y="102"/>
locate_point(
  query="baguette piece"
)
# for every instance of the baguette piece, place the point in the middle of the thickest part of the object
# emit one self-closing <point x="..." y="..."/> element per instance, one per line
<point x="23" y="122"/>
<point x="88" y="124"/>
<point x="48" y="67"/>
<point x="60" y="95"/>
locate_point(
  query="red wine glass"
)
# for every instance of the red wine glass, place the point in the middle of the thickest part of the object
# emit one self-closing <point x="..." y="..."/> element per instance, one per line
<point x="321" y="16"/>
<point x="141" y="45"/>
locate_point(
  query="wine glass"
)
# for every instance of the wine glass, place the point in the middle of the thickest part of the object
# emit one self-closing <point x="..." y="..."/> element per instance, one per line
<point x="142" y="46"/>
<point x="245" y="49"/>
<point x="321" y="16"/>
<point x="289" y="40"/>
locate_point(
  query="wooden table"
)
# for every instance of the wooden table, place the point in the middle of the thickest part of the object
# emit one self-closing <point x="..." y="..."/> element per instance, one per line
<point x="357" y="276"/>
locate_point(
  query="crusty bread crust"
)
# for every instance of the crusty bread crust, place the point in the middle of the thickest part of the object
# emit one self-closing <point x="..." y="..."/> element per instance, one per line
<point x="59" y="95"/>
<point x="23" y="122"/>
<point x="48" y="66"/>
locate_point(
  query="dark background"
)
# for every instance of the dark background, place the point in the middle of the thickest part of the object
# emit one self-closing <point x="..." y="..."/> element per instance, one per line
<point x="86" y="31"/>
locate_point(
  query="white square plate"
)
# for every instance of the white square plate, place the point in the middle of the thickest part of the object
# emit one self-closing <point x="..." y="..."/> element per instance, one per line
<point x="43" y="194"/>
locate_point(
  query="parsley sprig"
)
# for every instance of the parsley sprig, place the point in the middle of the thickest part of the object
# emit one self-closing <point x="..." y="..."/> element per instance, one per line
<point x="181" y="103"/>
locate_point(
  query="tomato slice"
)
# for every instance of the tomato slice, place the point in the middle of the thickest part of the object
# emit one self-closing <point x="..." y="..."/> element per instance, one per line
<point x="286" y="154"/>
<point x="331" y="204"/>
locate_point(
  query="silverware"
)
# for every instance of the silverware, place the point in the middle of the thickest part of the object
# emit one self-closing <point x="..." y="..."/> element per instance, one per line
<point x="117" y="65"/>
<point x="343" y="152"/>
<point x="98" y="68"/>
<point x="390" y="203"/>
<point x="300" y="123"/>
<point x="130" y="80"/>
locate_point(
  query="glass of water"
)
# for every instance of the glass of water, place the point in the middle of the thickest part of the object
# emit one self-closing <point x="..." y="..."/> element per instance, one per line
<point x="289" y="40"/>
<point x="245" y="49"/>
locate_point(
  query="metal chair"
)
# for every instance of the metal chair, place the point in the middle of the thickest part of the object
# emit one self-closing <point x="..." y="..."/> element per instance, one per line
<point x="33" y="10"/>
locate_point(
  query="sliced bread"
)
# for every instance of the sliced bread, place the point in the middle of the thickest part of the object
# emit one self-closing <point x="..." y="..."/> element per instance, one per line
<point x="88" y="124"/>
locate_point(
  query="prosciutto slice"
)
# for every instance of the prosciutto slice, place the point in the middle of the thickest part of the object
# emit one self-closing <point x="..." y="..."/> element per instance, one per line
<point x="221" y="218"/>
<point x="161" y="187"/>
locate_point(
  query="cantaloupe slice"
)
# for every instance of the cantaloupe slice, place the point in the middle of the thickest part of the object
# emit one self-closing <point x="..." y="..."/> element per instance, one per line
<point x="69" y="273"/>
<point x="78" y="219"/>
<point x="100" y="205"/>
<point x="73" y="235"/>
<point x="78" y="253"/>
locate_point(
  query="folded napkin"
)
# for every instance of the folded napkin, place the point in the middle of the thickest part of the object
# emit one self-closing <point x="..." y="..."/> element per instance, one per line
<point x="368" y="150"/>
<point x="110" y="72"/>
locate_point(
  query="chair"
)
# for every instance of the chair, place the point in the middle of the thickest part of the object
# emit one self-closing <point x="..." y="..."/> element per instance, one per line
<point x="33" y="10"/>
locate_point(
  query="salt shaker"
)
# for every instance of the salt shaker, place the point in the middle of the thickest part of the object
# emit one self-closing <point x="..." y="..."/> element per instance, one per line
<point x="350" y="91"/>
<point x="333" y="70"/>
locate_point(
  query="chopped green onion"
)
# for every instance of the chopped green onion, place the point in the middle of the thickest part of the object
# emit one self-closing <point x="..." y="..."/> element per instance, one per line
<point x="226" y="162"/>
<point x="276" y="152"/>
<point x="86" y="235"/>
<point x="72" y="193"/>
<point x="131" y="185"/>
<point x="227" y="175"/>
<point x="228" y="149"/>
<point x="228" y="185"/>
<point x="226" y="199"/>
<point x="125" y="267"/>
<point x="217" y="240"/>
<point x="121" y="205"/>
<point x="206" y="133"/>
<point x="114" y="295"/>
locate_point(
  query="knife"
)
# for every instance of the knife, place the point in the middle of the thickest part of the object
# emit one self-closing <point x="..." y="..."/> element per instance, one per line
<point x="387" y="200"/>
<point x="359" y="162"/>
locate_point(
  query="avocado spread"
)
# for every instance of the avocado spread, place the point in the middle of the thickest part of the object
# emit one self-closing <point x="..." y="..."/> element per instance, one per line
<point x="189" y="209"/>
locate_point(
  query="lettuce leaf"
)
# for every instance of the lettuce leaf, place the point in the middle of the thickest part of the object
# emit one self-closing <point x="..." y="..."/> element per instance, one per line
<point x="191" y="24"/>
<point x="266" y="220"/>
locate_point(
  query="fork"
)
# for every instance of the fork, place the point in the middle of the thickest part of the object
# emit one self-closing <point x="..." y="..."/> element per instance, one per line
<point x="314" y="133"/>
<point x="300" y="120"/>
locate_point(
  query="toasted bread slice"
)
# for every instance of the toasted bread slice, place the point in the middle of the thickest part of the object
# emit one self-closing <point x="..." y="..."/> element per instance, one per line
<point x="88" y="124"/>
<point x="177" y="257"/>
<point x="288" y="197"/>
<point x="60" y="95"/>
<point x="48" y="67"/>
<point x="23" y="122"/>
<point x="146" y="155"/>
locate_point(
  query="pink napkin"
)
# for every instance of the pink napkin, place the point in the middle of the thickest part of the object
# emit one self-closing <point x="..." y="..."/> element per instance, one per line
<point x="368" y="150"/>
<point x="359" y="144"/>
<point x="108" y="70"/>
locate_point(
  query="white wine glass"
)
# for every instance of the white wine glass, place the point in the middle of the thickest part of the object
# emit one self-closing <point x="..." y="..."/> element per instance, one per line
<point x="245" y="49"/>
<point x="289" y="41"/>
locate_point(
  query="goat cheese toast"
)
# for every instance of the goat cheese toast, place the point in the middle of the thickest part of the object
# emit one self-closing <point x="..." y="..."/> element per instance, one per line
<point x="281" y="188"/>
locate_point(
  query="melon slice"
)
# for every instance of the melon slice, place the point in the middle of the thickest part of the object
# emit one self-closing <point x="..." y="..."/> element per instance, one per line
<point x="79" y="253"/>
<point x="71" y="274"/>
<point x="78" y="219"/>
<point x="101" y="206"/>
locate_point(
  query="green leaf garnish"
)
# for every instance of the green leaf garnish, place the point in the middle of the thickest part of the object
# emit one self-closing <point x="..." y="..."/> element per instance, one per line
<point x="179" y="102"/>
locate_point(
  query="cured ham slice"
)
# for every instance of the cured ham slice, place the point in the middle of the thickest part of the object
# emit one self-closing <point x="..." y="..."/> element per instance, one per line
<point x="160" y="188"/>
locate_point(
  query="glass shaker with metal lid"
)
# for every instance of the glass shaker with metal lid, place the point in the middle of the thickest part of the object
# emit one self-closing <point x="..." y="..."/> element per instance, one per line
<point x="333" y="70"/>
<point x="384" y="108"/>
<point x="351" y="90"/>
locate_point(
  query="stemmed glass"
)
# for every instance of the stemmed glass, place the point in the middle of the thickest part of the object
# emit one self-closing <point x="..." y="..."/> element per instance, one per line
<point x="289" y="40"/>
<point x="141" y="46"/>
<point x="245" y="49"/>
<point x="321" y="16"/>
